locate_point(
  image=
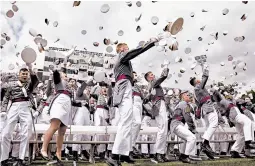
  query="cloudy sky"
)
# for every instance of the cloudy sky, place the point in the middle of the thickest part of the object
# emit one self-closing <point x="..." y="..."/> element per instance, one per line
<point x="87" y="16"/>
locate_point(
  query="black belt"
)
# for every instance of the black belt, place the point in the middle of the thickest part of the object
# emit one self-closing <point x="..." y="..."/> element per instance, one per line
<point x="20" y="99"/>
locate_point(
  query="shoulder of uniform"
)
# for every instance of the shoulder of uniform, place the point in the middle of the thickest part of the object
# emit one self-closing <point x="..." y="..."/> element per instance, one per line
<point x="182" y="104"/>
<point x="12" y="84"/>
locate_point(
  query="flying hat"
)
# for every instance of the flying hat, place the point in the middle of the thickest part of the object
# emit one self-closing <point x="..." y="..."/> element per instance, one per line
<point x="121" y="33"/>
<point x="225" y="11"/>
<point x="83" y="32"/>
<point x="138" y="28"/>
<point x="192" y="79"/>
<point x="138" y="18"/>
<point x="76" y="3"/>
<point x="55" y="23"/>
<point x="28" y="55"/>
<point x="3" y="42"/>
<point x="47" y="21"/>
<point x="203" y="28"/>
<point x="138" y="3"/>
<point x="109" y="49"/>
<point x="225" y="33"/>
<point x="154" y="20"/>
<point x="187" y="50"/>
<point x="32" y="32"/>
<point x="10" y="13"/>
<point x="129" y="3"/>
<point x="244" y="16"/>
<point x="105" y="8"/>
<point x="15" y="8"/>
<point x="174" y="26"/>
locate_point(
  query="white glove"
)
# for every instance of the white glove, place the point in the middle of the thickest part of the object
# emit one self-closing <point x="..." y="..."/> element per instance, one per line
<point x="36" y="114"/>
<point x="165" y="64"/>
<point x="3" y="116"/>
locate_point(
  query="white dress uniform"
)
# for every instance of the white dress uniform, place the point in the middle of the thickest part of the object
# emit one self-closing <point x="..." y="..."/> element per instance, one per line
<point x="137" y="113"/>
<point x="159" y="111"/>
<point x="19" y="111"/>
<point x="122" y="143"/>
<point x="100" y="117"/>
<point x="182" y="115"/>
<point x="243" y="127"/>
<point x="115" y="121"/>
<point x="122" y="98"/>
<point x="206" y="107"/>
<point x="241" y="122"/>
<point x="148" y="122"/>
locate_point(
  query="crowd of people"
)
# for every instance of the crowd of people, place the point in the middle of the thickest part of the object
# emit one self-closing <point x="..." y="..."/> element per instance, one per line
<point x="122" y="102"/>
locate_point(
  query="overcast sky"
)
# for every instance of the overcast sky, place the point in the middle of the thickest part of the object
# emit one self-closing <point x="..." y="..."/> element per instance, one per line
<point x="87" y="16"/>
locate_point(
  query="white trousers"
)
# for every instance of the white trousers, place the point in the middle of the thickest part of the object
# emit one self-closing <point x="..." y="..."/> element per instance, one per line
<point x="223" y="146"/>
<point x="162" y="125"/>
<point x="137" y="118"/>
<point x="44" y="117"/>
<point x="244" y="130"/>
<point x="99" y="120"/>
<point x="188" y="137"/>
<point x="211" y="121"/>
<point x="114" y="122"/>
<point x="81" y="118"/>
<point x="19" y="111"/>
<point x="122" y="141"/>
<point x="148" y="122"/>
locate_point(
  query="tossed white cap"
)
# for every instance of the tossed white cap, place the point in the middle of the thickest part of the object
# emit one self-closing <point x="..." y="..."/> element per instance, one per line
<point x="105" y="8"/>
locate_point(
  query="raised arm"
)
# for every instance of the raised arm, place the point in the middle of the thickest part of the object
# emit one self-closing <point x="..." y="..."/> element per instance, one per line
<point x="135" y="52"/>
<point x="189" y="120"/>
<point x="56" y="77"/>
<point x="48" y="90"/>
<point x="34" y="80"/>
<point x="161" y="79"/>
<point x="204" y="78"/>
<point x="80" y="90"/>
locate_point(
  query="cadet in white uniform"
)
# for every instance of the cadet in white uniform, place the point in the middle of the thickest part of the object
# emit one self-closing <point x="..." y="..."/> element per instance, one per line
<point x="241" y="122"/>
<point x="158" y="111"/>
<point x="205" y="110"/>
<point x="137" y="113"/>
<point x="122" y="98"/>
<point x="182" y="115"/>
<point x="18" y="92"/>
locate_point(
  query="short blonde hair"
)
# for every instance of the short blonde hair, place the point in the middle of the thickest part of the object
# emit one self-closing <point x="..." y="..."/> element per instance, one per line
<point x="119" y="46"/>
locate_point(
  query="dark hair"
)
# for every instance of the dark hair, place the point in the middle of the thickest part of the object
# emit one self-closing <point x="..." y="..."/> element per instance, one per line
<point x="23" y="69"/>
<point x="134" y="72"/>
<point x="146" y="75"/>
<point x="72" y="79"/>
<point x="192" y="81"/>
<point x="103" y="84"/>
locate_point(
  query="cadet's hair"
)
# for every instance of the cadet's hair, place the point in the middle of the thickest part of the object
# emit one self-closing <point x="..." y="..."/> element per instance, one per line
<point x="134" y="72"/>
<point x="146" y="75"/>
<point x="119" y="47"/>
<point x="23" y="70"/>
